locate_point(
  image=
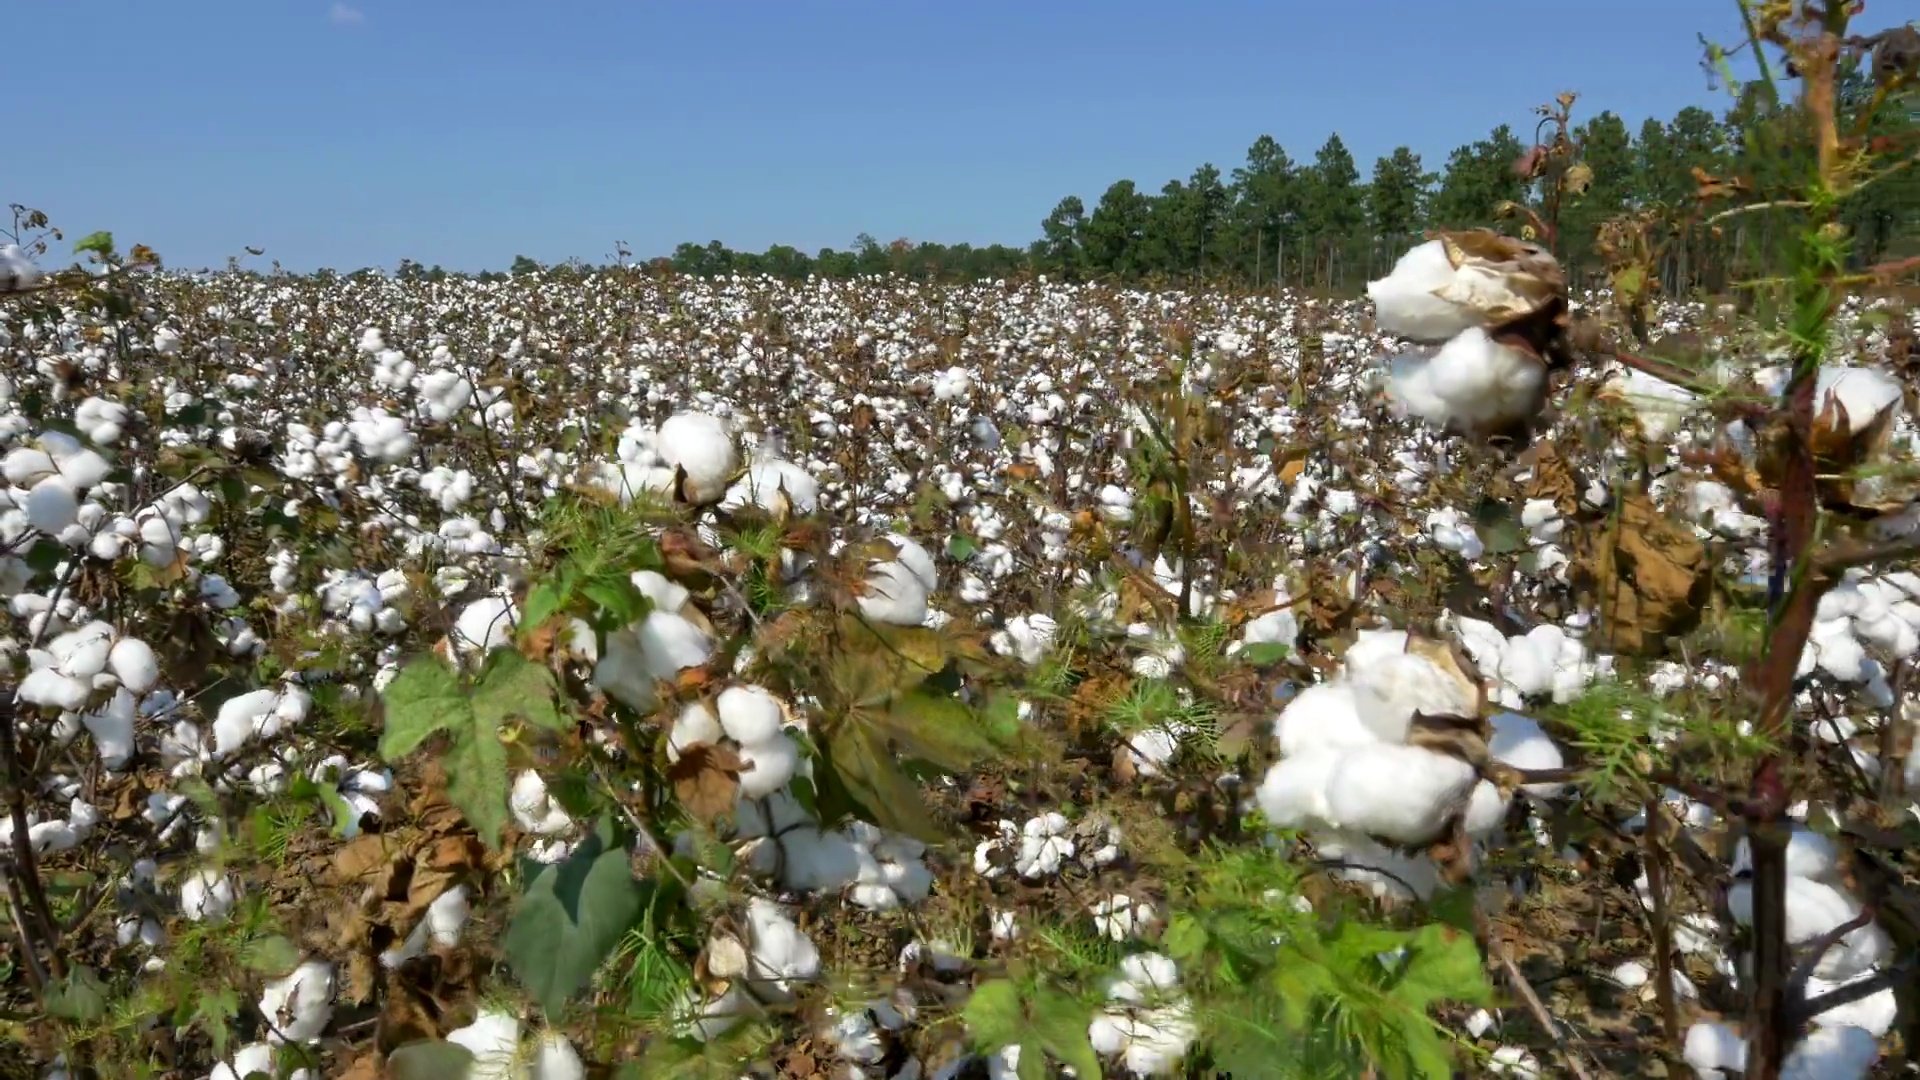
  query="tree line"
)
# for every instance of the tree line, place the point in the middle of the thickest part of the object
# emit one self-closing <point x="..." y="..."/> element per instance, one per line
<point x="1320" y="224"/>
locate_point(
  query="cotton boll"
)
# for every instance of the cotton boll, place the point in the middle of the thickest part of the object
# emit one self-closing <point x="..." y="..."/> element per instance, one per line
<point x="699" y="445"/>
<point x="894" y="595"/>
<point x="1400" y="793"/>
<point x="252" y="1059"/>
<point x="241" y="718"/>
<point x="52" y="505"/>
<point x="782" y="954"/>
<point x="1513" y="1061"/>
<point x="134" y="664"/>
<point x="911" y="555"/>
<point x="696" y="724"/>
<point x="1521" y="742"/>
<point x="1407" y="302"/>
<point x="535" y="810"/>
<point x="1814" y="909"/>
<point x="48" y="687"/>
<point x="300" y="1006"/>
<point x="1472" y="384"/>
<point x="1809" y="855"/>
<point x="1714" y="1047"/>
<point x="1486" y="809"/>
<point x="1832" y="1053"/>
<point x="112" y="729"/>
<point x="1390" y="686"/>
<point x="1293" y="795"/>
<point x="494" y="1041"/>
<point x="1384" y="872"/>
<point x="484" y="625"/>
<point x="781" y="488"/>
<point x="1876" y="1012"/>
<point x="749" y="715"/>
<point x="1322" y="716"/>
<point x="206" y="895"/>
<point x="767" y="766"/>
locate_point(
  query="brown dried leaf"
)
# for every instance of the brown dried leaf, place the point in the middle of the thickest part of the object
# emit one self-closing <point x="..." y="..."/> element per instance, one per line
<point x="1714" y="187"/>
<point x="1650" y="578"/>
<point x="1577" y="179"/>
<point x="706" y="779"/>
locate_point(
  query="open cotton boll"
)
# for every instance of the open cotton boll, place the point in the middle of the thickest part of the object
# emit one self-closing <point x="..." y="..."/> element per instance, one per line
<point x="894" y="595"/>
<point x="1521" y="742"/>
<point x="1810" y="855"/>
<point x="700" y="445"/>
<point x="1401" y="793"/>
<point x="1714" y="1049"/>
<point x="206" y="895"/>
<point x="484" y="625"/>
<point x="299" y="1007"/>
<point x="1876" y="1012"/>
<point x="253" y="1059"/>
<point x="534" y="809"/>
<point x="1382" y="870"/>
<point x="1407" y="302"/>
<point x="52" y="505"/>
<point x="696" y="724"/>
<point x="782" y="955"/>
<point x="134" y="664"/>
<point x="1658" y="405"/>
<point x="767" y="766"/>
<point x="658" y="647"/>
<point x="1814" y="909"/>
<point x="749" y="715"/>
<point x="1513" y="1061"/>
<point x="1863" y="392"/>
<point x="1389" y="687"/>
<point x="1293" y="794"/>
<point x="781" y="488"/>
<point x="1832" y="1053"/>
<point x="259" y="713"/>
<point x="17" y="272"/>
<point x="112" y="729"/>
<point x="1486" y="809"/>
<point x="1473" y="383"/>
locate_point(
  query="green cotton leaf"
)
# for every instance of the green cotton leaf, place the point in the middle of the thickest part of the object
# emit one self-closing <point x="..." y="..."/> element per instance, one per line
<point x="1443" y="965"/>
<point x="1186" y="937"/>
<point x="1263" y="653"/>
<point x="100" y="243"/>
<point x="1429" y="1054"/>
<point x="995" y="1014"/>
<point x="215" y="1011"/>
<point x="961" y="547"/>
<point x="571" y="918"/>
<point x="543" y="602"/>
<point x="619" y="601"/>
<point x="422" y="699"/>
<point x="426" y="698"/>
<point x="274" y="955"/>
<point x="80" y="997"/>
<point x="873" y="781"/>
<point x="1032" y="1064"/>
<point x="433" y="1059"/>
<point x="45" y="556"/>
<point x="934" y="728"/>
<point x="1060" y="1024"/>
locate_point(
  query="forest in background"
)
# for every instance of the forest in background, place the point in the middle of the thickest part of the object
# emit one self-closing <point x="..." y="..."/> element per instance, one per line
<point x="1321" y="224"/>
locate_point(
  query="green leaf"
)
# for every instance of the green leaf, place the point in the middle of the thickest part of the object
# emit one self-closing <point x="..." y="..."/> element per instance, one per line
<point x="214" y="1011"/>
<point x="422" y="699"/>
<point x="873" y="781"/>
<point x="45" y="555"/>
<point x="1185" y="938"/>
<point x="80" y="997"/>
<point x="1264" y="653"/>
<point x="433" y="1059"/>
<point x="994" y="1014"/>
<point x="935" y="728"/>
<point x="273" y="955"/>
<point x="619" y="600"/>
<point x="571" y="918"/>
<point x="100" y="243"/>
<point x="543" y="602"/>
<point x="1060" y="1023"/>
<point x="1033" y="1062"/>
<point x="426" y="698"/>
<point x="1443" y="964"/>
<point x="961" y="547"/>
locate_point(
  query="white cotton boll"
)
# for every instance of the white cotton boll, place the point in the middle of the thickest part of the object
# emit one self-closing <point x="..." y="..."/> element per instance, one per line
<point x="52" y="505"/>
<point x="1630" y="975"/>
<point x="1293" y="795"/>
<point x="494" y="1041"/>
<point x="1390" y="686"/>
<point x="1521" y="742"/>
<point x="1513" y="1061"/>
<point x="1864" y="393"/>
<point x="134" y="664"/>
<point x="447" y="915"/>
<point x="1406" y="301"/>
<point x="1875" y="1013"/>
<point x="781" y="488"/>
<point x="1486" y="809"/>
<point x="484" y="625"/>
<point x="894" y="595"/>
<point x="1832" y="1053"/>
<point x="1452" y="531"/>
<point x="1402" y="793"/>
<point x="1814" y="909"/>
<point x="100" y="420"/>
<point x="1044" y="846"/>
<point x="1810" y="855"/>
<point x="1659" y="406"/>
<point x="300" y="1006"/>
<point x="17" y="271"/>
<point x="781" y="953"/>
<point x="768" y="766"/>
<point x="662" y="591"/>
<point x="534" y="810"/>
<point x="911" y="555"/>
<point x="695" y="725"/>
<point x="1321" y="717"/>
<point x="241" y="718"/>
<point x="749" y="715"/>
<point x="206" y="895"/>
<point x="48" y="687"/>
<point x="112" y="729"/>
<point x="1713" y="1046"/>
<point x="700" y="445"/>
<point x="554" y="1058"/>
<point x="250" y="1060"/>
<point x="1472" y="383"/>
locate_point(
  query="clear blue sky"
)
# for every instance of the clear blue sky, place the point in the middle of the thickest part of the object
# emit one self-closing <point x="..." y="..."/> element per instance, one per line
<point x="465" y="131"/>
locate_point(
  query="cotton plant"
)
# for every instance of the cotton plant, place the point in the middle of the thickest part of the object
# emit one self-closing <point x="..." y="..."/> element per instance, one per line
<point x="1149" y="1025"/>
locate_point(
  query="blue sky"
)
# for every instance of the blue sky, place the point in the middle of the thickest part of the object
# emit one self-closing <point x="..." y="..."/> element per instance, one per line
<point x="465" y="131"/>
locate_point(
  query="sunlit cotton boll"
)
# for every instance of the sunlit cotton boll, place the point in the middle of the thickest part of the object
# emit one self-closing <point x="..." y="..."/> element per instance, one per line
<point x="206" y="895"/>
<point x="484" y="625"/>
<point x="1473" y="384"/>
<point x="251" y="1060"/>
<point x="299" y="1007"/>
<point x="781" y="488"/>
<point x="701" y="446"/>
<point x="655" y="648"/>
<point x="1401" y="793"/>
<point x="897" y="590"/>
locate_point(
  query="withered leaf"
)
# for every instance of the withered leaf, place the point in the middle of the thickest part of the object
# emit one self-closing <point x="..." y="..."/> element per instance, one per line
<point x="706" y="779"/>
<point x="1650" y="578"/>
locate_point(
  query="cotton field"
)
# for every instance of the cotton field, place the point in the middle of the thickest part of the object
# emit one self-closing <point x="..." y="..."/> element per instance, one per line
<point x="621" y="674"/>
